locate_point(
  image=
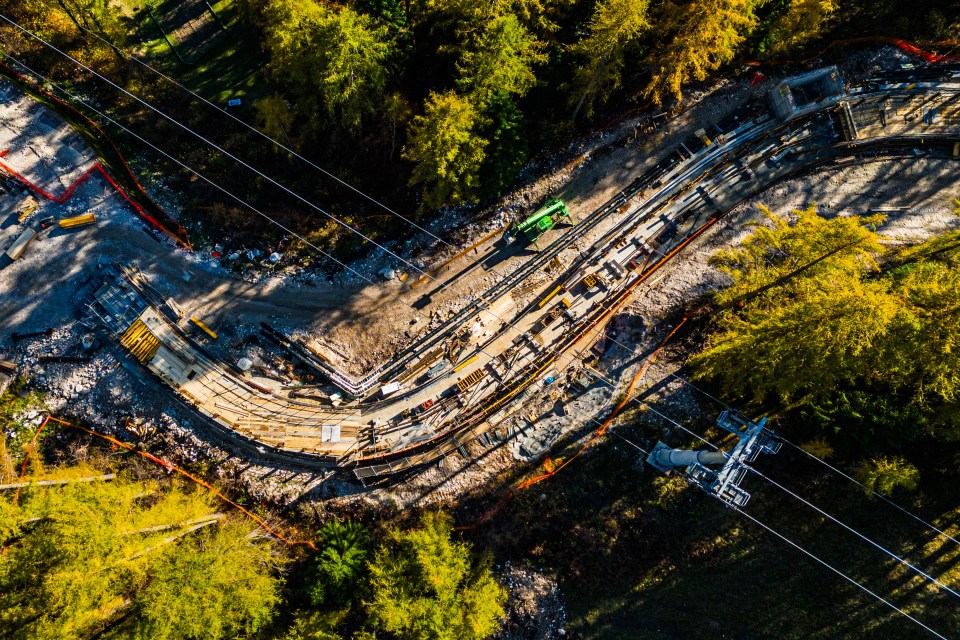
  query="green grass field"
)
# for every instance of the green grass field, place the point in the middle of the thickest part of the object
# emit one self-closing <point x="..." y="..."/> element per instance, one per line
<point x="228" y="69"/>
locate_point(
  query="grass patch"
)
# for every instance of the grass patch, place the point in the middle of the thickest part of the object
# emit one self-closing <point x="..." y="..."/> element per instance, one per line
<point x="228" y="68"/>
<point x="642" y="556"/>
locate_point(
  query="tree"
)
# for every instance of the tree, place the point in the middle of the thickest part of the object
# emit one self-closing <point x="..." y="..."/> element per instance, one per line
<point x="129" y="559"/>
<point x="704" y="35"/>
<point x="924" y="342"/>
<point x="336" y="570"/>
<point x="335" y="52"/>
<point x="507" y="151"/>
<point x="801" y="22"/>
<point x="614" y="26"/>
<point x="275" y="118"/>
<point x="215" y="584"/>
<point x="501" y="63"/>
<point x="426" y="586"/>
<point x="445" y="149"/>
<point x="887" y="475"/>
<point x="812" y="319"/>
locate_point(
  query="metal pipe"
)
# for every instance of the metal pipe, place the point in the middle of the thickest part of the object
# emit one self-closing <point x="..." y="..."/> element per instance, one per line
<point x="683" y="458"/>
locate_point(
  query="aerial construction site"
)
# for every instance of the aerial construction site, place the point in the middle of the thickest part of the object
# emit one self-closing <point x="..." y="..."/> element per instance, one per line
<point x="411" y="380"/>
<point x="517" y="321"/>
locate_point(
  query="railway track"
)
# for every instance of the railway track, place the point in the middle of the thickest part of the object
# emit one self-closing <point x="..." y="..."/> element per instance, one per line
<point x="663" y="211"/>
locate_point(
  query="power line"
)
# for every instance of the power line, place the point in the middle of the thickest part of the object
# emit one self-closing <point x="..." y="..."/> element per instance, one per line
<point x="223" y="151"/>
<point x="185" y="166"/>
<point x="223" y="189"/>
<point x="842" y="574"/>
<point x="286" y="189"/>
<point x="821" y="511"/>
<point x="559" y="355"/>
<point x="855" y="532"/>
<point x="814" y="557"/>
<point x="442" y="286"/>
<point x="263" y="135"/>
<point x="332" y="217"/>
<point x="836" y="470"/>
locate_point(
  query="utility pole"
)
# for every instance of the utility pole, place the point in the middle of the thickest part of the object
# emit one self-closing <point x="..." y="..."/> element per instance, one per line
<point x="724" y="483"/>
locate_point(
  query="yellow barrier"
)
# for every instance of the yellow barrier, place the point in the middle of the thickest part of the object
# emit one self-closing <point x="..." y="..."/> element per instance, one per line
<point x="550" y="295"/>
<point x="465" y="363"/>
<point x="78" y="221"/>
<point x="207" y="330"/>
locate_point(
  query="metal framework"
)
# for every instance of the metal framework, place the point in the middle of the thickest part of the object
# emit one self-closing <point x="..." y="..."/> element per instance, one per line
<point x="724" y="483"/>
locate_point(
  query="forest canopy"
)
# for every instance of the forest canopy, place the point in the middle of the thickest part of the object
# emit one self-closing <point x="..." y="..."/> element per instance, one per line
<point x="821" y="314"/>
<point x="429" y="102"/>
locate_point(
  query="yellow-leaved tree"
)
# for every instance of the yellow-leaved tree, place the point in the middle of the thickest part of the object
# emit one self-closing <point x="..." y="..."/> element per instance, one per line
<point x="702" y="35"/>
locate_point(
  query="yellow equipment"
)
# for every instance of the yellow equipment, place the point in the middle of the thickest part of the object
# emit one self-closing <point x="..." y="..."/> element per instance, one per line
<point x="26" y="209"/>
<point x="465" y="363"/>
<point x="207" y="330"/>
<point x="140" y="341"/>
<point x="550" y="295"/>
<point x="78" y="221"/>
<point x="471" y="380"/>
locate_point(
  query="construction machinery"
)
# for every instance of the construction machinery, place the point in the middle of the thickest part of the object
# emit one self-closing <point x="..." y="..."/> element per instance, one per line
<point x="544" y="219"/>
<point x="77" y="221"/>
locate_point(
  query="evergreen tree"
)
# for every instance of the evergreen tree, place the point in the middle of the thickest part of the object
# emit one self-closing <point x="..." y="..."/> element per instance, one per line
<point x="446" y="150"/>
<point x="704" y="35"/>
<point x="615" y="25"/>
<point x="336" y="569"/>
<point x="888" y="475"/>
<point x="507" y="152"/>
<point x="426" y="586"/>
<point x="501" y="63"/>
<point x="128" y="559"/>
<point x="801" y="22"/>
<point x="342" y="56"/>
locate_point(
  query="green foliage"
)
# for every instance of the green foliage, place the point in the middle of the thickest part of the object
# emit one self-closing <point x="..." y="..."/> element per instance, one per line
<point x="867" y="418"/>
<point x="802" y="21"/>
<point x="501" y="62"/>
<point x="337" y="568"/>
<point x="426" y="586"/>
<point x="925" y="339"/>
<point x="121" y="559"/>
<point x="446" y="150"/>
<point x="507" y="151"/>
<point x="705" y="34"/>
<point x="316" y="625"/>
<point x="809" y="321"/>
<point x="390" y="12"/>
<point x="336" y="53"/>
<point x="274" y="117"/>
<point x="14" y="403"/>
<point x="813" y="316"/>
<point x="887" y="475"/>
<point x="615" y="25"/>
<point x="217" y="584"/>
<point x="101" y="17"/>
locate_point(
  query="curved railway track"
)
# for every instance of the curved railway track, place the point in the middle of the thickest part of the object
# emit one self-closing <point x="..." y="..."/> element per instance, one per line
<point x="663" y="211"/>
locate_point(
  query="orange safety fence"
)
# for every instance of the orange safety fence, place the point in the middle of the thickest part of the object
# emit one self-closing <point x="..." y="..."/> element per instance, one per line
<point x="179" y="234"/>
<point x="170" y="468"/>
<point x="903" y="45"/>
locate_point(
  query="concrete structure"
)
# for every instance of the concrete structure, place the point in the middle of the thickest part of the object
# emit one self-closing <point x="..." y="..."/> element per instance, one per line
<point x="806" y="92"/>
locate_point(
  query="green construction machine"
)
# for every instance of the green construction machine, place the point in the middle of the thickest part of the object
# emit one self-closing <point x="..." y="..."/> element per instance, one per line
<point x="544" y="219"/>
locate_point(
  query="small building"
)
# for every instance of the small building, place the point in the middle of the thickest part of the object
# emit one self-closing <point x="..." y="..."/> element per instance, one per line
<point x="805" y="92"/>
